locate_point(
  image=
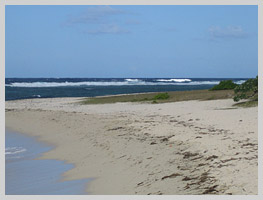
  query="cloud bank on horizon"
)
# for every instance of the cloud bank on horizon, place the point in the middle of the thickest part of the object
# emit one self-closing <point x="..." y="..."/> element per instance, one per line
<point x="131" y="41"/>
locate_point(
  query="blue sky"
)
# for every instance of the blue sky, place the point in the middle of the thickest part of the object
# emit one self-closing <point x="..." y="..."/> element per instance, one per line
<point x="132" y="41"/>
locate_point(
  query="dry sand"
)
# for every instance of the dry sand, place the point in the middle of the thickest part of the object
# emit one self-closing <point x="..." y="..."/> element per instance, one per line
<point x="191" y="147"/>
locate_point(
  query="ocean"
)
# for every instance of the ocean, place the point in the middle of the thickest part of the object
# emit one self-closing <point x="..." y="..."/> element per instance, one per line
<point x="25" y="175"/>
<point x="26" y="88"/>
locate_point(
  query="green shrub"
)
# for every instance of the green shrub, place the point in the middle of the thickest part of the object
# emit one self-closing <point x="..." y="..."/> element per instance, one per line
<point x="161" y="96"/>
<point x="225" y="85"/>
<point x="247" y="90"/>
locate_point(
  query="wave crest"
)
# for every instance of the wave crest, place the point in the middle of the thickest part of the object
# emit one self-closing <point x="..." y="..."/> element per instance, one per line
<point x="131" y="80"/>
<point x="127" y="82"/>
<point x="174" y="80"/>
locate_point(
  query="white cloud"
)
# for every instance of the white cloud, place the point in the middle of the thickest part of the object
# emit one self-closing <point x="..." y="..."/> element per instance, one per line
<point x="107" y="29"/>
<point x="100" y="20"/>
<point x="228" y="32"/>
<point x="95" y="14"/>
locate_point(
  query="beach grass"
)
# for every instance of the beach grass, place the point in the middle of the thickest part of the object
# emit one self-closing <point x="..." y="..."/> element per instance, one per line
<point x="174" y="96"/>
<point x="247" y="104"/>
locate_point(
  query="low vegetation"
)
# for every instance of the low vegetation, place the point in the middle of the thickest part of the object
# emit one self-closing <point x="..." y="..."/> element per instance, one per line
<point x="225" y="85"/>
<point x="247" y="90"/>
<point x="224" y="90"/>
<point x="163" y="97"/>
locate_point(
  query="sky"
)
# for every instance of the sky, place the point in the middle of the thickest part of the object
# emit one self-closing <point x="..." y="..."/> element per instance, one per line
<point x="131" y="41"/>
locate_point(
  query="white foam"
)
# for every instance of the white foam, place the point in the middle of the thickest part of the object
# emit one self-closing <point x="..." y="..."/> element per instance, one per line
<point x="14" y="150"/>
<point x="63" y="84"/>
<point x="240" y="82"/>
<point x="132" y="80"/>
<point x="174" y="80"/>
<point x="116" y="83"/>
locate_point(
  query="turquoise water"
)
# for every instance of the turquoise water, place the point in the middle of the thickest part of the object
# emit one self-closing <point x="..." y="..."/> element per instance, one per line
<point x="24" y="175"/>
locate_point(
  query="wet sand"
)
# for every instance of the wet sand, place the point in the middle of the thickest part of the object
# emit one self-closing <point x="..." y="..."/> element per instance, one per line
<point x="189" y="147"/>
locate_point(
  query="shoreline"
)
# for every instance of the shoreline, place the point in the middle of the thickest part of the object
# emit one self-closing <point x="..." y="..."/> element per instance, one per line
<point x="46" y="174"/>
<point x="141" y="148"/>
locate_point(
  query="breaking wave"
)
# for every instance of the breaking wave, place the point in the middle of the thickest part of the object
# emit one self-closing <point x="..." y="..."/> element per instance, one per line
<point x="125" y="82"/>
<point x="174" y="80"/>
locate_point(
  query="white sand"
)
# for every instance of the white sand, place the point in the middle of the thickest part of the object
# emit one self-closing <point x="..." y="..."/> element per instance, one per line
<point x="190" y="147"/>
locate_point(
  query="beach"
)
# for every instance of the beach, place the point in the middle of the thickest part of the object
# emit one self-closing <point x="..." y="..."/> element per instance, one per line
<point x="185" y="147"/>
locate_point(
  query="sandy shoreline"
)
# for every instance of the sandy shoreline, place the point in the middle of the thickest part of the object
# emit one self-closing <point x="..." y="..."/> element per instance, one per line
<point x="189" y="147"/>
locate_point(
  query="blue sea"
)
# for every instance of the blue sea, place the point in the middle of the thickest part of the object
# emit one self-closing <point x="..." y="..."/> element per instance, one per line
<point x="25" y="88"/>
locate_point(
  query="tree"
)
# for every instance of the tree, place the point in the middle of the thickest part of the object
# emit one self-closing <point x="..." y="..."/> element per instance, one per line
<point x="247" y="90"/>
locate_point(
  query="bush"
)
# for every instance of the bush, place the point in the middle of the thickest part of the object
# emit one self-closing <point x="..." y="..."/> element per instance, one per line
<point x="225" y="85"/>
<point x="247" y="90"/>
<point x="161" y="96"/>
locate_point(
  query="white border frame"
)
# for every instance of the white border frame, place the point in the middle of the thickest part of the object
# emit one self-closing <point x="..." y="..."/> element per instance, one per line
<point x="128" y="2"/>
<point x="132" y="2"/>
